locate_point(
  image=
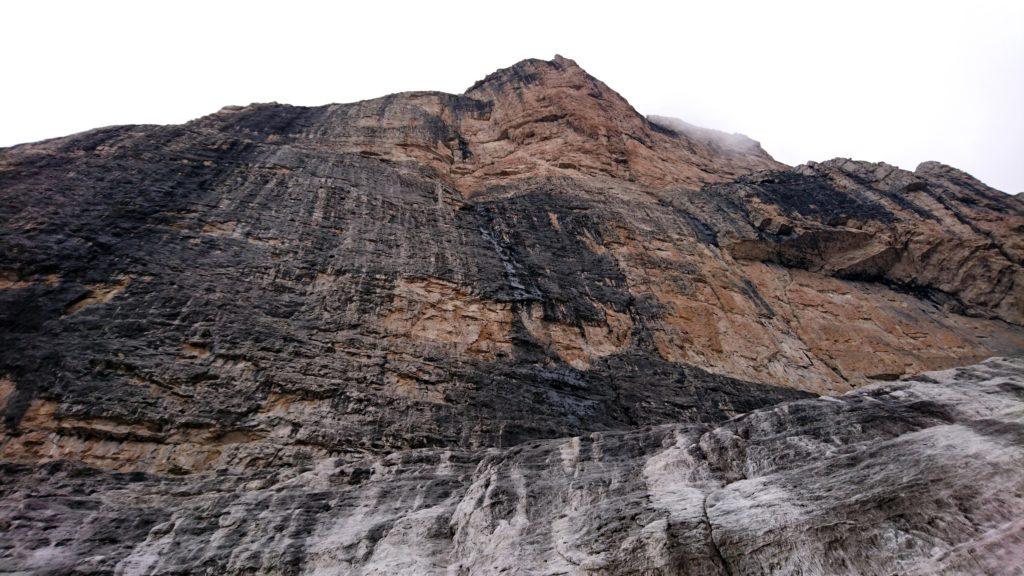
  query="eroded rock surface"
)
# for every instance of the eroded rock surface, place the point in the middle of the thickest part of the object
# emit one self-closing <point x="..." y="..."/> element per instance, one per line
<point x="882" y="480"/>
<point x="272" y="293"/>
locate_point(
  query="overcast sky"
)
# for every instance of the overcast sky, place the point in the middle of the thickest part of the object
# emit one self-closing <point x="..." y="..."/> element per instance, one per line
<point x="900" y="82"/>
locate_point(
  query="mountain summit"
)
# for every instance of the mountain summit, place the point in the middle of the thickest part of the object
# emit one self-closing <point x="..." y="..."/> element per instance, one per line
<point x="535" y="119"/>
<point x="518" y="330"/>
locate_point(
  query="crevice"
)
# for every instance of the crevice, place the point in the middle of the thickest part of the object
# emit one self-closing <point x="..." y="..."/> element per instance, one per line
<point x="715" y="551"/>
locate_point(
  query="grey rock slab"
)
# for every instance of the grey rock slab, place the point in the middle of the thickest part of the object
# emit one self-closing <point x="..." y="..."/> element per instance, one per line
<point x="916" y="476"/>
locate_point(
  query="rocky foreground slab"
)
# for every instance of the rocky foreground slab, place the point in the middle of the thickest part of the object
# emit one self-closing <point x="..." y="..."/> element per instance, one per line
<point x="921" y="476"/>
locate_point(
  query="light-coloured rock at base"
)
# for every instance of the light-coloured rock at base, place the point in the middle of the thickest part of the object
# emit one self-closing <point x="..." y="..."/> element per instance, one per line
<point x="920" y="476"/>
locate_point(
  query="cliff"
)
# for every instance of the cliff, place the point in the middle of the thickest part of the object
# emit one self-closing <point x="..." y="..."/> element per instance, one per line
<point x="524" y="328"/>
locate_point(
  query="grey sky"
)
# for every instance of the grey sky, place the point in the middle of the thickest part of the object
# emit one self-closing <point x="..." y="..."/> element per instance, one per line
<point x="900" y="82"/>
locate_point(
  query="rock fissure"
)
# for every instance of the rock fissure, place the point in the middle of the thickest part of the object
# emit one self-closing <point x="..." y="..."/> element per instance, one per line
<point x="712" y="543"/>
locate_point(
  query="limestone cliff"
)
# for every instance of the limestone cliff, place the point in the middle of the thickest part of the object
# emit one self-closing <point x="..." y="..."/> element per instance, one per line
<point x="502" y="330"/>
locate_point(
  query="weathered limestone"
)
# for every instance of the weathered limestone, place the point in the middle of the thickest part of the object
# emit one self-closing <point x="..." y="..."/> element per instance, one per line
<point x="920" y="476"/>
<point x="523" y="328"/>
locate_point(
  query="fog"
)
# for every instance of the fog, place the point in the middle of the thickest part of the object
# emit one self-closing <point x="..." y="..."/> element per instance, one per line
<point x="900" y="82"/>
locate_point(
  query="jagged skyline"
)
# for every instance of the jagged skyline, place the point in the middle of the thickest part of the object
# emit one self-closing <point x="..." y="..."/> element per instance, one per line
<point x="900" y="84"/>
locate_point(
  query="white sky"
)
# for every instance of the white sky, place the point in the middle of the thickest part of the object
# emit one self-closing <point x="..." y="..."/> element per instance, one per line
<point x="895" y="81"/>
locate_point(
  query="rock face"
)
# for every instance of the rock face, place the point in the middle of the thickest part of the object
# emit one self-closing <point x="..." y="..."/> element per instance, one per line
<point x="503" y="330"/>
<point x="882" y="480"/>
